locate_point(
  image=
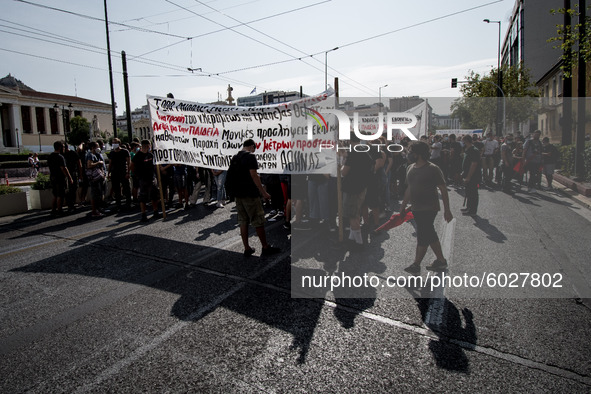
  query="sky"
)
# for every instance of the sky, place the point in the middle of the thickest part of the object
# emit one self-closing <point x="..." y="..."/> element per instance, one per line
<point x="413" y="47"/>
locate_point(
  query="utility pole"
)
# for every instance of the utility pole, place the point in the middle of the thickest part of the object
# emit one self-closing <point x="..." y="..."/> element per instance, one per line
<point x="582" y="93"/>
<point x="126" y="88"/>
<point x="110" y="73"/>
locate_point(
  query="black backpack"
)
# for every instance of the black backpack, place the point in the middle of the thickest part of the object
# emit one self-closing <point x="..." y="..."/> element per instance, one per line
<point x="233" y="175"/>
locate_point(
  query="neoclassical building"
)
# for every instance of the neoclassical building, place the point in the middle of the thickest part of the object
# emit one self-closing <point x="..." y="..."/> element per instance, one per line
<point x="34" y="120"/>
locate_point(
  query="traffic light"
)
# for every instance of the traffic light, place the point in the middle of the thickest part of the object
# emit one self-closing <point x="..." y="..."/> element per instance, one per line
<point x="454" y="82"/>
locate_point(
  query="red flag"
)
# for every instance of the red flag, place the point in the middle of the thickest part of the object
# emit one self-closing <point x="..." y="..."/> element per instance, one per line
<point x="519" y="168"/>
<point x="396" y="220"/>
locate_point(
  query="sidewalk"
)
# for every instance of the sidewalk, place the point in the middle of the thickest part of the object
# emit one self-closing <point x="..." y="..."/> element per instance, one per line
<point x="568" y="192"/>
<point x="19" y="181"/>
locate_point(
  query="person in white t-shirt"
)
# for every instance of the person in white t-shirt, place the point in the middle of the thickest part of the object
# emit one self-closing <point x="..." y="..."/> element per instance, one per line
<point x="491" y="147"/>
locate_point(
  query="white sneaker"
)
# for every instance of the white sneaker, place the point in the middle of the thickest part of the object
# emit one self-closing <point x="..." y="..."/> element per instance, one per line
<point x="219" y="205"/>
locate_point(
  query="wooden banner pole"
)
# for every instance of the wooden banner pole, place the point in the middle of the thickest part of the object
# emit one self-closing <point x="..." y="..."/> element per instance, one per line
<point x="339" y="180"/>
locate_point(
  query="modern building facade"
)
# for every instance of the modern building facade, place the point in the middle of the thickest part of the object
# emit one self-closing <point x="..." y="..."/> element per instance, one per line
<point x="32" y="120"/>
<point x="526" y="41"/>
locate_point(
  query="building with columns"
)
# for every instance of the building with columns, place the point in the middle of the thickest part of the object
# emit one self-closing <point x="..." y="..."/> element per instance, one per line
<point x="34" y="120"/>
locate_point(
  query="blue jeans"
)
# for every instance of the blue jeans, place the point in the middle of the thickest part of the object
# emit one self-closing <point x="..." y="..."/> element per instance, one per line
<point x="220" y="180"/>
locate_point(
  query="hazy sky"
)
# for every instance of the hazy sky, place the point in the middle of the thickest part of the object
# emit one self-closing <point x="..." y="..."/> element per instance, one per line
<point x="414" y="47"/>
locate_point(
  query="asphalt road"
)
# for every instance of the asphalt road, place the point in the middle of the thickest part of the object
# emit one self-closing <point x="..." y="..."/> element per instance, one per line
<point x="173" y="306"/>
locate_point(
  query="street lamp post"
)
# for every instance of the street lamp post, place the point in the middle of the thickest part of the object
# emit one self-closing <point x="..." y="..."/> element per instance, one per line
<point x="326" y="66"/>
<point x="380" y="94"/>
<point x="39" y="131"/>
<point x="65" y="119"/>
<point x="499" y="73"/>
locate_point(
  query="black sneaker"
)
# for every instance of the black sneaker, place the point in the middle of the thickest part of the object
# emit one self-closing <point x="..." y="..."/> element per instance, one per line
<point x="413" y="269"/>
<point x="144" y="218"/>
<point x="157" y="215"/>
<point x="437" y="265"/>
<point x="271" y="250"/>
<point x="249" y="252"/>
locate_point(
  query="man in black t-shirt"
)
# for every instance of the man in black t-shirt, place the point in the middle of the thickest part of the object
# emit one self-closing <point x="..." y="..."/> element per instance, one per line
<point x="248" y="199"/>
<point x="119" y="171"/>
<point x="455" y="159"/>
<point x="74" y="167"/>
<point x="59" y="175"/>
<point x="471" y="173"/>
<point x="549" y="158"/>
<point x="142" y="166"/>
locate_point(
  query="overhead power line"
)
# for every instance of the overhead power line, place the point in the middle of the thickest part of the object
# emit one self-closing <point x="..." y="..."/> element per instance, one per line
<point x="100" y="19"/>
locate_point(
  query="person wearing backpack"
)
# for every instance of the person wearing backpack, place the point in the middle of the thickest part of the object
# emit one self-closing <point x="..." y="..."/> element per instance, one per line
<point x="247" y="189"/>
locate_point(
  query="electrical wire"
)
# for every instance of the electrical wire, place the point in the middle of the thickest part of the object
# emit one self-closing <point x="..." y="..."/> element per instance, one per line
<point x="141" y="29"/>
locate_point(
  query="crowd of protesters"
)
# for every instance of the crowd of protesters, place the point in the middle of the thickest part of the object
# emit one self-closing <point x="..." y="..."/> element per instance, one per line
<point x="375" y="181"/>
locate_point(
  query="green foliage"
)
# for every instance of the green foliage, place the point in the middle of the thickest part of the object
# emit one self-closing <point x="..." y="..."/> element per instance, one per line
<point x="79" y="130"/>
<point x="572" y="43"/>
<point x="477" y="107"/>
<point x="4" y="189"/>
<point x="42" y="182"/>
<point x="567" y="160"/>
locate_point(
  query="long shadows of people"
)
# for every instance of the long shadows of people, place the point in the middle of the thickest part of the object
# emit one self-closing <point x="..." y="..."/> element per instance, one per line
<point x="492" y="232"/>
<point x="197" y="281"/>
<point x="444" y="319"/>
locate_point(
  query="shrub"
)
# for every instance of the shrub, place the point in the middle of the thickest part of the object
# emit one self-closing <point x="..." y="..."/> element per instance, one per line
<point x="4" y="189"/>
<point x="42" y="182"/>
<point x="567" y="160"/>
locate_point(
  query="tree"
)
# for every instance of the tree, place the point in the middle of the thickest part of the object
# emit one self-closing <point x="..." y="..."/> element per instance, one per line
<point x="79" y="130"/>
<point x="574" y="40"/>
<point x="478" y="105"/>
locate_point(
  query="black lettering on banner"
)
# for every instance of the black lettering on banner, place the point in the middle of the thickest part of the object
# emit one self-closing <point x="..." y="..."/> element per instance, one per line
<point x="295" y="161"/>
<point x="175" y="155"/>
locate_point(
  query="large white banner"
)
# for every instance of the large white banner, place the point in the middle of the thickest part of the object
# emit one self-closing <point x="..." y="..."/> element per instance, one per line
<point x="204" y="135"/>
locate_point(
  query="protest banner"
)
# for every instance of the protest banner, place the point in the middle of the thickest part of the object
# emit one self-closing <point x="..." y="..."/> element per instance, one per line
<point x="207" y="136"/>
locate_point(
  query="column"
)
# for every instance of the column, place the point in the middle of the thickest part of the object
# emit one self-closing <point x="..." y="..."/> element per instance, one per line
<point x="60" y="121"/>
<point x="33" y="116"/>
<point x="1" y="129"/>
<point x="47" y="120"/>
<point x="15" y="123"/>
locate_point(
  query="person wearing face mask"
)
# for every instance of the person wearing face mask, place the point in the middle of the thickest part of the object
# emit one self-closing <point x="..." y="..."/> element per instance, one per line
<point x="423" y="179"/>
<point x="119" y="172"/>
<point x="507" y="163"/>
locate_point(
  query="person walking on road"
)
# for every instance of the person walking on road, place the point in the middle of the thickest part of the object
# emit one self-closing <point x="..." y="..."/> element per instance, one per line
<point x="142" y="166"/>
<point x="507" y="163"/>
<point x="491" y="148"/>
<point x="532" y="152"/>
<point x="248" y="199"/>
<point x="59" y="177"/>
<point x="550" y="156"/>
<point x="119" y="172"/>
<point x="423" y="179"/>
<point x="471" y="174"/>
